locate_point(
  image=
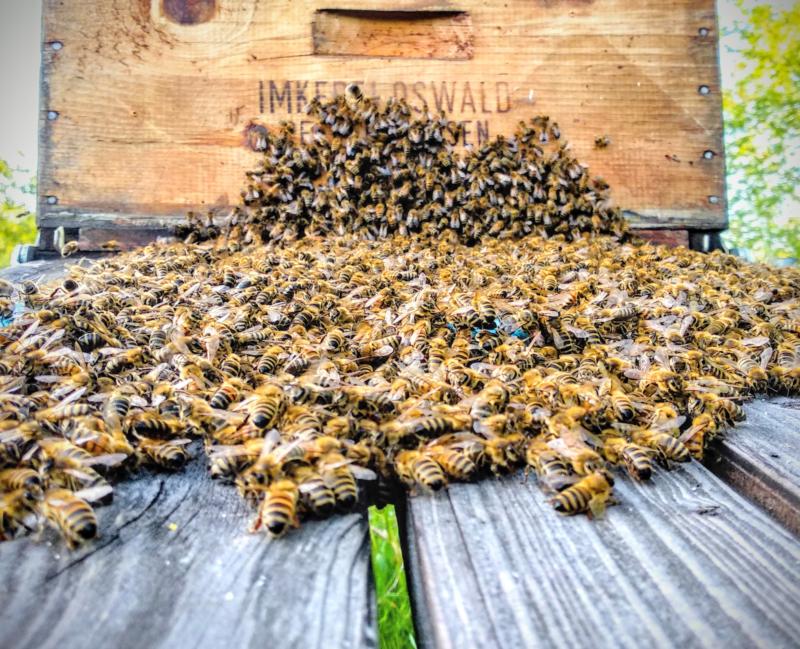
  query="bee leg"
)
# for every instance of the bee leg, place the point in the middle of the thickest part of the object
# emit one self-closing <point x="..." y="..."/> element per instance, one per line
<point x="255" y="524"/>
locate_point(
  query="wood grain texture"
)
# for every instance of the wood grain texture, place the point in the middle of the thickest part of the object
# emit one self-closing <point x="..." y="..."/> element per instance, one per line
<point x="683" y="562"/>
<point x="150" y="108"/>
<point x="175" y="567"/>
<point x="38" y="271"/>
<point x="761" y="458"/>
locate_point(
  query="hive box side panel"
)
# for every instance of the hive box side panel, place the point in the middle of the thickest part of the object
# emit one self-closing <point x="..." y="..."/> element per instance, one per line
<point x="147" y="104"/>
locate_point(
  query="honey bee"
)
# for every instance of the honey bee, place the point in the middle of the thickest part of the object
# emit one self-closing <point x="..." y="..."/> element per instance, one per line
<point x="70" y="248"/>
<point x="264" y="409"/>
<point x="316" y="493"/>
<point x="591" y="493"/>
<point x="334" y="341"/>
<point x="418" y="468"/>
<point x="602" y="141"/>
<point x="123" y="359"/>
<point x="340" y="475"/>
<point x="226" y="462"/>
<point x="278" y="509"/>
<point x="455" y="461"/>
<point x="490" y="400"/>
<point x="698" y="434"/>
<point x="225" y="395"/>
<point x="16" y="508"/>
<point x="72" y="515"/>
<point x="637" y="459"/>
<point x="28" y="480"/>
<point x="151" y="424"/>
<point x="550" y="467"/>
<point x="668" y="446"/>
<point x="270" y="360"/>
<point x="170" y="454"/>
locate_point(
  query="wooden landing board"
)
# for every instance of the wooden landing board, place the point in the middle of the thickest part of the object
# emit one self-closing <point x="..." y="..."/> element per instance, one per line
<point x="683" y="562"/>
<point x="761" y="458"/>
<point x="44" y="270"/>
<point x="146" y="104"/>
<point x="175" y="567"/>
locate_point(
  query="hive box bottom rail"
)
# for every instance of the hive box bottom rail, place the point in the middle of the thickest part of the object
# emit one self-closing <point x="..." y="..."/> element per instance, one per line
<point x="175" y="567"/>
<point x="761" y="458"/>
<point x="683" y="561"/>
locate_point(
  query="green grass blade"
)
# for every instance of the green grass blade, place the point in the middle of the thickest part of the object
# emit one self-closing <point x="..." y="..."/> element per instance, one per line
<point x="395" y="625"/>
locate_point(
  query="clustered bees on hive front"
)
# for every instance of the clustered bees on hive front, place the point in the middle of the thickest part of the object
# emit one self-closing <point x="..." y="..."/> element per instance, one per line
<point x="364" y="317"/>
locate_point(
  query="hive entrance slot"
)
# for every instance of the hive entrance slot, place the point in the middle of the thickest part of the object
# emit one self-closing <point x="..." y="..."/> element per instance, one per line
<point x="398" y="34"/>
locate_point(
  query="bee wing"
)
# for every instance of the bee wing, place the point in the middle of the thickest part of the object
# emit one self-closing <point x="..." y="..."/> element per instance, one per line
<point x="661" y="357"/>
<point x="669" y="424"/>
<point x="81" y="475"/>
<point x="93" y="494"/>
<point x="137" y="401"/>
<point x="766" y="355"/>
<point x="386" y="350"/>
<point x="271" y="439"/>
<point x="362" y="473"/>
<point x="86" y="438"/>
<point x="307" y="487"/>
<point x="576" y="331"/>
<point x="57" y="335"/>
<point x="689" y="433"/>
<point x="74" y="396"/>
<point x="110" y="351"/>
<point x="108" y="459"/>
<point x="484" y="368"/>
<point x="756" y="341"/>
<point x="30" y="330"/>
<point x="48" y="378"/>
<point x="181" y="441"/>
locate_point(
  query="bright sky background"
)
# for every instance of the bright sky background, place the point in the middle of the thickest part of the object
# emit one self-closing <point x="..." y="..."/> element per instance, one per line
<point x="20" y="28"/>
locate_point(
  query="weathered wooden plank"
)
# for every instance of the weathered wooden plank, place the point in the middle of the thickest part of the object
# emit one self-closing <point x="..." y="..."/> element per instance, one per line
<point x="175" y="567"/>
<point x="43" y="270"/>
<point x="761" y="458"/>
<point x="683" y="562"/>
<point x="146" y="105"/>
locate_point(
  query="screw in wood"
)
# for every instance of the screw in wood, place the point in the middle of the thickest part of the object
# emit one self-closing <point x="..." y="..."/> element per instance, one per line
<point x="51" y="200"/>
<point x="713" y="200"/>
<point x="56" y="45"/>
<point x="708" y="154"/>
<point x="704" y="90"/>
<point x="52" y="115"/>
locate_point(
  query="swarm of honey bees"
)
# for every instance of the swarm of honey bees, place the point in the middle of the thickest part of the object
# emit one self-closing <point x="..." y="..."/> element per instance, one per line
<point x="385" y="310"/>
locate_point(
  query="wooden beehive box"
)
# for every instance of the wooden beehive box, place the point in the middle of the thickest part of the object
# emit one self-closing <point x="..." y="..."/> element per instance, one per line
<point x="147" y="105"/>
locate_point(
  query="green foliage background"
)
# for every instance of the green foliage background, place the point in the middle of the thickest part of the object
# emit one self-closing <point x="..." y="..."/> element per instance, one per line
<point x="16" y="224"/>
<point x="762" y="130"/>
